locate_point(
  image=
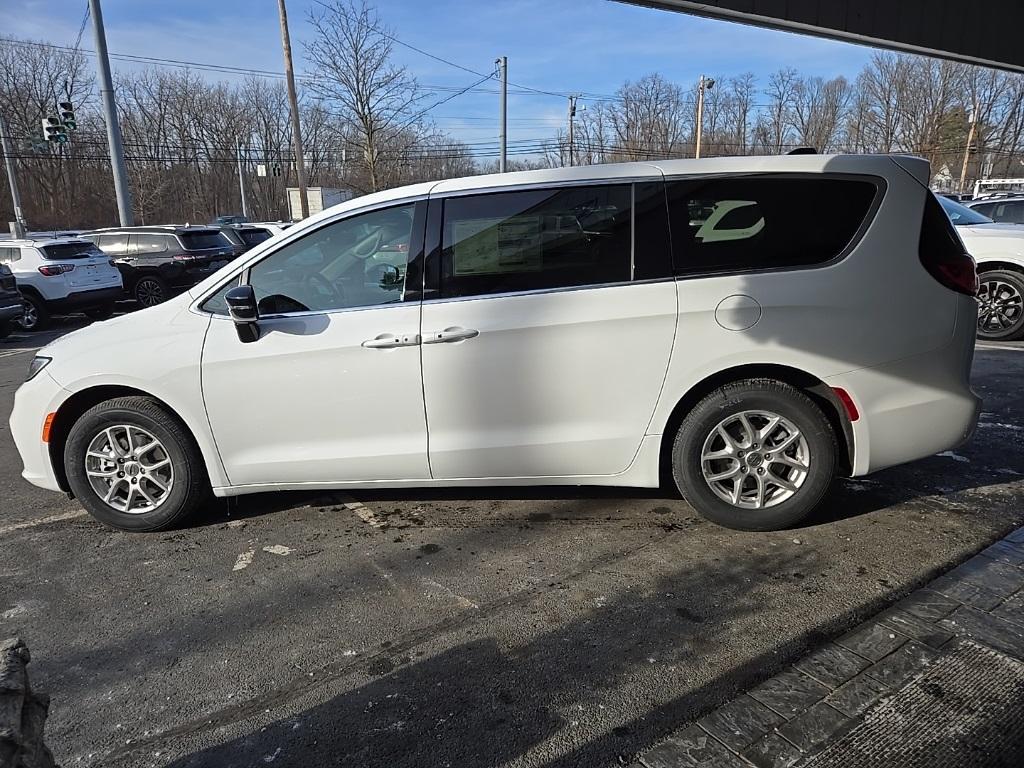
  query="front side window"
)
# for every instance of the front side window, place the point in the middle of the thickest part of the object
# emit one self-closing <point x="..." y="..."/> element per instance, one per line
<point x="536" y="239"/>
<point x="357" y="262"/>
<point x="751" y="223"/>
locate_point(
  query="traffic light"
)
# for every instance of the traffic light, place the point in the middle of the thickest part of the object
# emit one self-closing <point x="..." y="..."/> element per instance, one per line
<point x="67" y="115"/>
<point x="53" y="130"/>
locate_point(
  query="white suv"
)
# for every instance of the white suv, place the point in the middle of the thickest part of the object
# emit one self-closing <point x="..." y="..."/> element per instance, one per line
<point x="556" y="327"/>
<point x="62" y="275"/>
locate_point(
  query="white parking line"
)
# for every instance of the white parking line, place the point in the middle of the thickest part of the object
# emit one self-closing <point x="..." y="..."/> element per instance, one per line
<point x="42" y="521"/>
<point x="363" y="513"/>
<point x="12" y="352"/>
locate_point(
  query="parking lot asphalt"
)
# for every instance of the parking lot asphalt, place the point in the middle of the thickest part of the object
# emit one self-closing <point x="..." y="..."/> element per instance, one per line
<point x="518" y="627"/>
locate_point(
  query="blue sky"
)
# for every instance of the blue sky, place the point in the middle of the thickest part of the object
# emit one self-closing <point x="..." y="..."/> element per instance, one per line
<point x="588" y="46"/>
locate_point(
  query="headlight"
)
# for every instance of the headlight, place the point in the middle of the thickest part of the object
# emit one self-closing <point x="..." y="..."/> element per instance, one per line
<point x="38" y="363"/>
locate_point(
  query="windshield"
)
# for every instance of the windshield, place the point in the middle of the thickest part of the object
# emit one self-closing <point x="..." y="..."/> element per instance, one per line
<point x="208" y="238"/>
<point x="961" y="215"/>
<point x="64" y="251"/>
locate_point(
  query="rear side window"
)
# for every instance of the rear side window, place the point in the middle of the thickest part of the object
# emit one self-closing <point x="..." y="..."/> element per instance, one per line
<point x="197" y="241"/>
<point x="8" y="255"/>
<point x="113" y="244"/>
<point x="536" y="239"/>
<point x="149" y="243"/>
<point x="753" y="223"/>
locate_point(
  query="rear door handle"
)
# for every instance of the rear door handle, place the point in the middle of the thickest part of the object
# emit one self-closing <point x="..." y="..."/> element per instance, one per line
<point x="450" y="334"/>
<point x="390" y="341"/>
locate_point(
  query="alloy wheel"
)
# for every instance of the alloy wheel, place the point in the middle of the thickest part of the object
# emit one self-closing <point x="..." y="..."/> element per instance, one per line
<point x="755" y="459"/>
<point x="29" y="317"/>
<point x="1000" y="306"/>
<point x="149" y="293"/>
<point x="129" y="469"/>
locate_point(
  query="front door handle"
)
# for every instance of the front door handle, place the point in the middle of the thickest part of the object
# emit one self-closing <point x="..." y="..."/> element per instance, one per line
<point x="450" y="334"/>
<point x="390" y="341"/>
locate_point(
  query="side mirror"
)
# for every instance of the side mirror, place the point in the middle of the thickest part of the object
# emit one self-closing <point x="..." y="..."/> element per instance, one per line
<point x="245" y="314"/>
<point x="390" y="276"/>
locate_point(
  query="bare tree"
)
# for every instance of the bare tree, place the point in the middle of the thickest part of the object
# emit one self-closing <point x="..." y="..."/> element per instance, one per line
<point x="374" y="98"/>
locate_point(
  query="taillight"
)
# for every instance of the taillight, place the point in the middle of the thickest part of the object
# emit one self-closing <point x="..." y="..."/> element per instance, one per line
<point x="52" y="270"/>
<point x="956" y="273"/>
<point x="942" y="251"/>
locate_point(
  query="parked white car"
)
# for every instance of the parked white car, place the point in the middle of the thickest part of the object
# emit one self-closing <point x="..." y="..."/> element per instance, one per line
<point x="556" y="327"/>
<point x="61" y="275"/>
<point x="998" y="250"/>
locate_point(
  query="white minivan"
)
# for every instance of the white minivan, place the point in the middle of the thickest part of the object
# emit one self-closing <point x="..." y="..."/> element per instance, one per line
<point x="558" y="327"/>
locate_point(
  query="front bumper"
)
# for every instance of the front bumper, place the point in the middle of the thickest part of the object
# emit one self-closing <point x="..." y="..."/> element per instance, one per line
<point x="32" y="402"/>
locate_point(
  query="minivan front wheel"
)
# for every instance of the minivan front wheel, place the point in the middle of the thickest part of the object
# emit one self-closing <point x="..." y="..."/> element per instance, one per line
<point x="134" y="466"/>
<point x="755" y="455"/>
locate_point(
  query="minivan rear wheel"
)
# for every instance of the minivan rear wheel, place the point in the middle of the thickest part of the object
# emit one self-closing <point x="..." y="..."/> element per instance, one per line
<point x="134" y="466"/>
<point x="1001" y="305"/>
<point x="755" y="455"/>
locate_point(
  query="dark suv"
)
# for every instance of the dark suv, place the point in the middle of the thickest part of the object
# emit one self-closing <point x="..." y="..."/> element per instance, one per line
<point x="156" y="262"/>
<point x="10" y="301"/>
<point x="245" y="236"/>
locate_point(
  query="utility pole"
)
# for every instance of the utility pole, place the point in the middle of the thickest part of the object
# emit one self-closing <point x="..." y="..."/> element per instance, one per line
<point x="503" y="66"/>
<point x="572" y="115"/>
<point x="706" y="84"/>
<point x="300" y="163"/>
<point x="18" y="225"/>
<point x="241" y="179"/>
<point x="967" y="149"/>
<point x="117" y="164"/>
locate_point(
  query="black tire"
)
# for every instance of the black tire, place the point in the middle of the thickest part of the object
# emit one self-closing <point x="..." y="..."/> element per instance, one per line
<point x="104" y="312"/>
<point x="150" y="291"/>
<point x="5" y="329"/>
<point x="766" y="395"/>
<point x="36" y="317"/>
<point x="190" y="486"/>
<point x="1001" y="305"/>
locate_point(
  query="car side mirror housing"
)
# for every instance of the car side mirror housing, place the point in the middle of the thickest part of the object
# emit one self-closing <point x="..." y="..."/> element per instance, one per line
<point x="245" y="313"/>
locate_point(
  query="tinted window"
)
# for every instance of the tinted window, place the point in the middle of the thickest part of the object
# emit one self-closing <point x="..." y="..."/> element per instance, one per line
<point x="536" y="239"/>
<point x="357" y="262"/>
<point x="112" y="244"/>
<point x="939" y="239"/>
<point x="746" y="223"/>
<point x="984" y="210"/>
<point x="10" y="254"/>
<point x="63" y="251"/>
<point x="251" y="237"/>
<point x="208" y="238"/>
<point x="149" y="243"/>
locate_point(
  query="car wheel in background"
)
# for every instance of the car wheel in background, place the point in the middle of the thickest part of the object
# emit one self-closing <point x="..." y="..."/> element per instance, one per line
<point x="755" y="455"/>
<point x="1001" y="305"/>
<point x="150" y="291"/>
<point x="134" y="466"/>
<point x="100" y="313"/>
<point x="35" y="317"/>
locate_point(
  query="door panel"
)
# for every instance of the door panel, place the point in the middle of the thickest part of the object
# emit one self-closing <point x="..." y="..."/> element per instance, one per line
<point x="308" y="403"/>
<point x="554" y="384"/>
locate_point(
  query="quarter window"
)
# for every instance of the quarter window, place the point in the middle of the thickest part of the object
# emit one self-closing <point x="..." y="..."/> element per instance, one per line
<point x="357" y="262"/>
<point x="751" y="223"/>
<point x="536" y="239"/>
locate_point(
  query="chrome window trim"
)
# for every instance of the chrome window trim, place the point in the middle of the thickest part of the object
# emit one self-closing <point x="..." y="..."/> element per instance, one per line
<point x="544" y="291"/>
